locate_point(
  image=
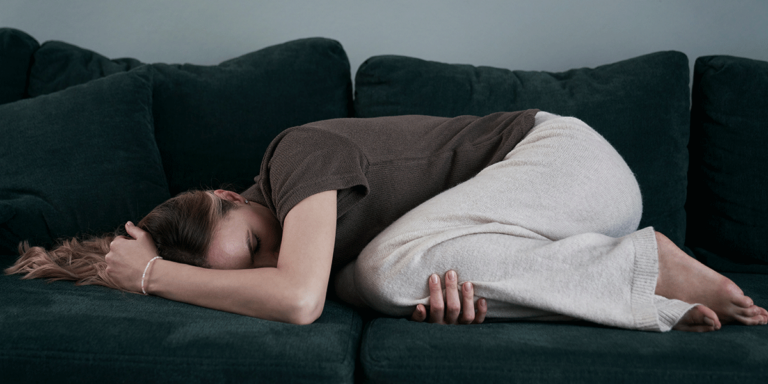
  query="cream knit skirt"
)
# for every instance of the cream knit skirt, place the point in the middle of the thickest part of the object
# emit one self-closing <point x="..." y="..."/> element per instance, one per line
<point x="548" y="233"/>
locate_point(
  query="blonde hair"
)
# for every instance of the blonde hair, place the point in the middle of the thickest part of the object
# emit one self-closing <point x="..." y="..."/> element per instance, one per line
<point x="78" y="260"/>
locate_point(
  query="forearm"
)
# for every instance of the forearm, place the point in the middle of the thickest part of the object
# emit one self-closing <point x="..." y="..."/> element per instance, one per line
<point x="293" y="292"/>
<point x="266" y="293"/>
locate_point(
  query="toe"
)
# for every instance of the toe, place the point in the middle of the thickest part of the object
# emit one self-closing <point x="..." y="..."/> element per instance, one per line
<point x="743" y="301"/>
<point x="753" y="315"/>
<point x="709" y="316"/>
<point x="752" y="320"/>
<point x="699" y="319"/>
<point x="748" y="312"/>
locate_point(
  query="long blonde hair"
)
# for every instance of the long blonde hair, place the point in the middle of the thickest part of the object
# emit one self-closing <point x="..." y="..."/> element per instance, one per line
<point x="181" y="227"/>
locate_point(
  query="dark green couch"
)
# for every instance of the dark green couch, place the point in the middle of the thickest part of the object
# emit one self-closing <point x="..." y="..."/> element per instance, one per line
<point x="90" y="142"/>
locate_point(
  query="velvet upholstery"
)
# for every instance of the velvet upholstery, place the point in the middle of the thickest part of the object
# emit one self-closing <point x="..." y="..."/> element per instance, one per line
<point x="213" y="123"/>
<point x="728" y="177"/>
<point x="16" y="49"/>
<point x="57" y="332"/>
<point x="80" y="161"/>
<point x="401" y="351"/>
<point x="206" y="116"/>
<point x="639" y="105"/>
<point x="207" y="120"/>
<point x="59" y="65"/>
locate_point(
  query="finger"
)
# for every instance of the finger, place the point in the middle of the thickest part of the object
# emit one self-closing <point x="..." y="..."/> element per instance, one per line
<point x="482" y="309"/>
<point x="436" y="303"/>
<point x="134" y="231"/>
<point x="467" y="303"/>
<point x="452" y="301"/>
<point x="419" y="314"/>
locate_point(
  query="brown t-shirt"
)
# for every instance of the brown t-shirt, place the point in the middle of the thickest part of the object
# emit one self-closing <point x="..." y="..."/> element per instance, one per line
<point x="382" y="167"/>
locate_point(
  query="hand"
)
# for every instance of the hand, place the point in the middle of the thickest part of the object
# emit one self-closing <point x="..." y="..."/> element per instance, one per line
<point x="127" y="257"/>
<point x="452" y="310"/>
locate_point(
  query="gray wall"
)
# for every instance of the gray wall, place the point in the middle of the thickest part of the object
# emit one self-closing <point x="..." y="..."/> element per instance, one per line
<point x="551" y="35"/>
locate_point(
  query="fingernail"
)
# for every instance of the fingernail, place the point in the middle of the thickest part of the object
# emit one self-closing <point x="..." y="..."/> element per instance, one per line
<point x="467" y="286"/>
<point x="452" y="275"/>
<point x="433" y="278"/>
<point x="129" y="223"/>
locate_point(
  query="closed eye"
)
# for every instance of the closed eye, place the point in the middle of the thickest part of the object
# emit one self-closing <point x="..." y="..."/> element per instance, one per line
<point x="258" y="243"/>
<point x="250" y="245"/>
<point x="251" y="248"/>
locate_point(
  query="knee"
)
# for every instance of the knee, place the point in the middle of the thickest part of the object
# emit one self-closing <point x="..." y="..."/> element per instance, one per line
<point x="383" y="284"/>
<point x="374" y="283"/>
<point x="620" y="191"/>
<point x="597" y="176"/>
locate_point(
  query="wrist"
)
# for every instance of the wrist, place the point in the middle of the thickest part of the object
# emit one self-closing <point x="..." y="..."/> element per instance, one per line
<point x="146" y="276"/>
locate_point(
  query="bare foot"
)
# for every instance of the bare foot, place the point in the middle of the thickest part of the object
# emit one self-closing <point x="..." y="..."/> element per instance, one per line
<point x="684" y="278"/>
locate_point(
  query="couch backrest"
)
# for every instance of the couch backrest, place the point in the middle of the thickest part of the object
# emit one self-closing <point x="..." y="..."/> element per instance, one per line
<point x="728" y="178"/>
<point x="208" y="126"/>
<point x="640" y="105"/>
<point x="213" y="123"/>
<point x="16" y="50"/>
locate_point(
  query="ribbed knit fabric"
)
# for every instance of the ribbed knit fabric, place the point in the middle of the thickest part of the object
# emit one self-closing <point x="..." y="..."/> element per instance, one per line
<point x="550" y="230"/>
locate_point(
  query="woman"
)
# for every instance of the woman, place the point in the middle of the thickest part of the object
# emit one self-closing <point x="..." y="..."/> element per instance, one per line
<point x="536" y="211"/>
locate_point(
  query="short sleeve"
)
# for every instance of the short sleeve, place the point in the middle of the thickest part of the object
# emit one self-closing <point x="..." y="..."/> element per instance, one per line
<point x="304" y="161"/>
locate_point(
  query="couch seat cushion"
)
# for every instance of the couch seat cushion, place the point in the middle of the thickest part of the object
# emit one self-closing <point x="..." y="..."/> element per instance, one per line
<point x="79" y="161"/>
<point x="402" y="351"/>
<point x="639" y="105"/>
<point x="59" y="333"/>
<point x="728" y="178"/>
<point x="213" y="123"/>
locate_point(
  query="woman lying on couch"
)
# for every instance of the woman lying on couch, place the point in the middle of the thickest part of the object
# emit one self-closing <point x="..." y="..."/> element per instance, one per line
<point x="537" y="213"/>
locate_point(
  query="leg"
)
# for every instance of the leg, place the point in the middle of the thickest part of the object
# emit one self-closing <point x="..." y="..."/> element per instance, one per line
<point x="587" y="276"/>
<point x="554" y="202"/>
<point x="554" y="205"/>
<point x="562" y="179"/>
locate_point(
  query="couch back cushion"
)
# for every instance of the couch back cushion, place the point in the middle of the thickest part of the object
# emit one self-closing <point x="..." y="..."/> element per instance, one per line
<point x="213" y="123"/>
<point x="16" y="49"/>
<point x="640" y="105"/>
<point x="728" y="178"/>
<point x="79" y="161"/>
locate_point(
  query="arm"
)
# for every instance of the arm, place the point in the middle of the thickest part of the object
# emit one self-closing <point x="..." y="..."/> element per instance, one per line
<point x="294" y="292"/>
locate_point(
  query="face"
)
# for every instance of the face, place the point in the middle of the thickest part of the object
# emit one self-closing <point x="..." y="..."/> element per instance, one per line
<point x="247" y="237"/>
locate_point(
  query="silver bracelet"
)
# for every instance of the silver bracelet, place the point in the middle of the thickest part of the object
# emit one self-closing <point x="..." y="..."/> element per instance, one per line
<point x="143" y="275"/>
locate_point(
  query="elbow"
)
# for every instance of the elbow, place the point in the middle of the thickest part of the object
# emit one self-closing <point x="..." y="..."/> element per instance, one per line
<point x="306" y="310"/>
<point x="303" y="318"/>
